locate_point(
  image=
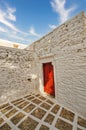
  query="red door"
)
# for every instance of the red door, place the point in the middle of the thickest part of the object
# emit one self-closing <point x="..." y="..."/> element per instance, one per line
<point x="48" y="74"/>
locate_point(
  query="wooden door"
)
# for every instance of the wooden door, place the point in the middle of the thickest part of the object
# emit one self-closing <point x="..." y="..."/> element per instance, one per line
<point x="48" y="75"/>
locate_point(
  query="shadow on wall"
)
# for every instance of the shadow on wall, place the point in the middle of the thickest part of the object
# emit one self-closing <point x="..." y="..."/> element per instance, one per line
<point x="13" y="83"/>
<point x="15" y="66"/>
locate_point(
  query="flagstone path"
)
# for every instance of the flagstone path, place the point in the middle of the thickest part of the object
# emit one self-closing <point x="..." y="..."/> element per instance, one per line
<point x="37" y="112"/>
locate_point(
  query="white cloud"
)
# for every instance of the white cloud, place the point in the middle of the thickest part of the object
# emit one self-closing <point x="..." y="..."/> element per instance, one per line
<point x="3" y="29"/>
<point x="59" y="7"/>
<point x="19" y="38"/>
<point x="52" y="26"/>
<point x="33" y="32"/>
<point x="11" y="15"/>
<point x="6" y="16"/>
<point x="11" y="26"/>
<point x="9" y="31"/>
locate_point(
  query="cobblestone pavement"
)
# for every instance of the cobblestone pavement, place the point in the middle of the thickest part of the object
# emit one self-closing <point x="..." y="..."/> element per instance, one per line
<point x="37" y="112"/>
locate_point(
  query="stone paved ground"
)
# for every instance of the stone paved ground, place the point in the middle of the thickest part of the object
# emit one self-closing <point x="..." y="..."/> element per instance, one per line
<point x="37" y="112"/>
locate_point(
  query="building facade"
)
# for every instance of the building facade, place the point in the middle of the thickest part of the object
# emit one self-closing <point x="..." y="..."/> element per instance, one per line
<point x="54" y="65"/>
<point x="65" y="49"/>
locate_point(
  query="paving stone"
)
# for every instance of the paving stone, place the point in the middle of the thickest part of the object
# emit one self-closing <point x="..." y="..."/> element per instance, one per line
<point x="42" y="98"/>
<point x="17" y="100"/>
<point x="27" y="96"/>
<point x="46" y="106"/>
<point x="37" y="95"/>
<point x="23" y="105"/>
<point x="36" y="101"/>
<point x="29" y="108"/>
<point x="11" y="113"/>
<point x="4" y="105"/>
<point x="28" y="124"/>
<point x="67" y="114"/>
<point x="50" y="102"/>
<point x="5" y="127"/>
<point x="6" y="109"/>
<point x="1" y="120"/>
<point x="43" y="127"/>
<point x="17" y="103"/>
<point x="49" y="119"/>
<point x="30" y="98"/>
<point x="39" y="113"/>
<point x="33" y="93"/>
<point x="79" y="129"/>
<point x="81" y="122"/>
<point x="17" y="118"/>
<point x="55" y="109"/>
<point x="62" y="125"/>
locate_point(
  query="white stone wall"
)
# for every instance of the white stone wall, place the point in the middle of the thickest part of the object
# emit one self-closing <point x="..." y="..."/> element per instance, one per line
<point x="16" y="71"/>
<point x="67" y="45"/>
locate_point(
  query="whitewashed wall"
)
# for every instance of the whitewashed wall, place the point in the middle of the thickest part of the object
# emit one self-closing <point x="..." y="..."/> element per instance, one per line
<point x="67" y="45"/>
<point x="16" y="70"/>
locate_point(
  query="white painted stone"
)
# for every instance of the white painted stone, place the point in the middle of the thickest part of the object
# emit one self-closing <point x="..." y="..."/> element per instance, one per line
<point x="21" y="70"/>
<point x="15" y="65"/>
<point x="67" y="44"/>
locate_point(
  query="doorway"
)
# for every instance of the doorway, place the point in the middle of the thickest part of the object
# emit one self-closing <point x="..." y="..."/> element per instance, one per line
<point x="48" y="76"/>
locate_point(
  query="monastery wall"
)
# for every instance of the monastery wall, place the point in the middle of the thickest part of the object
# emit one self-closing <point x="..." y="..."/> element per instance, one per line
<point x="16" y="73"/>
<point x="21" y="71"/>
<point x="65" y="47"/>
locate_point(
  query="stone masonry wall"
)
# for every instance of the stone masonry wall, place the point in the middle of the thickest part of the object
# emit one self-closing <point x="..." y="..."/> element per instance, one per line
<point x="16" y="69"/>
<point x="67" y="45"/>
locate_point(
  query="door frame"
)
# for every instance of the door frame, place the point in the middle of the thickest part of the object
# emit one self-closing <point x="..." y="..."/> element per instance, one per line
<point x="49" y="64"/>
<point x="41" y="79"/>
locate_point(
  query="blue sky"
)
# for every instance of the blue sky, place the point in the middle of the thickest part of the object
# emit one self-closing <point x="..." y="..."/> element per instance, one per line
<point x="24" y="21"/>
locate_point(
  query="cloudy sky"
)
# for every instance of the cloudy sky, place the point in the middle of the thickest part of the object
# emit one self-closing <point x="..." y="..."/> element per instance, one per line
<point x="24" y="21"/>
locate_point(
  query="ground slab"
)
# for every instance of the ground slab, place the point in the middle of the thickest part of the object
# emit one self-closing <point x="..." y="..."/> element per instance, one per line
<point x="38" y="112"/>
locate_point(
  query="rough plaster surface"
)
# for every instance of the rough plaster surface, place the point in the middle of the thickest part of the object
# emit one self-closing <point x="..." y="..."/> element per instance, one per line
<point x="16" y="69"/>
<point x="67" y="45"/>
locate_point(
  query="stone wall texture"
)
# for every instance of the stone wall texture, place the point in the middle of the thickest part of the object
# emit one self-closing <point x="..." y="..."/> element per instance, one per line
<point x="67" y="46"/>
<point x="16" y="69"/>
<point x="21" y="70"/>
